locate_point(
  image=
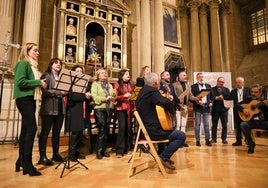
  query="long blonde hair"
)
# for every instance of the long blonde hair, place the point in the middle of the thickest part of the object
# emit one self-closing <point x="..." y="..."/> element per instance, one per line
<point x="25" y="50"/>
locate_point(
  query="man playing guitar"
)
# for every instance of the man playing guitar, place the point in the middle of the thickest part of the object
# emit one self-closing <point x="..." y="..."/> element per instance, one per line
<point x="257" y="107"/>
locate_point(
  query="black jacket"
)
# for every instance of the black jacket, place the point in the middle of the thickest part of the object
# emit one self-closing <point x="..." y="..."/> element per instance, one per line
<point x="146" y="103"/>
<point x="195" y="91"/>
<point x="218" y="105"/>
<point x="233" y="96"/>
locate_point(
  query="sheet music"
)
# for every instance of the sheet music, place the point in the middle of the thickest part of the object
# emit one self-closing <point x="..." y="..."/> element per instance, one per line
<point x="203" y="93"/>
<point x="68" y="78"/>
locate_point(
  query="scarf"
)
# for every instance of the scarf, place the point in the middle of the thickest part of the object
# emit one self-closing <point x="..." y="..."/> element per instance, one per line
<point x="37" y="90"/>
<point x="105" y="87"/>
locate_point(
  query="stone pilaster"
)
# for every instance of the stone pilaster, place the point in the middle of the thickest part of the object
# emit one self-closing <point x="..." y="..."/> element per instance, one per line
<point x="205" y="47"/>
<point x="266" y="5"/>
<point x="6" y="20"/>
<point x="195" y="36"/>
<point x="185" y="40"/>
<point x="31" y="25"/>
<point x="124" y="42"/>
<point x="216" y="53"/>
<point x="159" y="51"/>
<point x="145" y="33"/>
<point x="227" y="54"/>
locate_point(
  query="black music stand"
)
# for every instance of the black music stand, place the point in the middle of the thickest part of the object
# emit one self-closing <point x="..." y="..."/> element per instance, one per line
<point x="71" y="81"/>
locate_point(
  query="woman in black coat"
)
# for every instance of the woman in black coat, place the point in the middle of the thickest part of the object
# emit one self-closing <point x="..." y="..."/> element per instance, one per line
<point x="52" y="113"/>
<point x="76" y="118"/>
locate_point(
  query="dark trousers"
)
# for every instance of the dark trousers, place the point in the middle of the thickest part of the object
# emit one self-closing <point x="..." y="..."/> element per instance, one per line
<point x="50" y="121"/>
<point x="238" y="133"/>
<point x="103" y="119"/>
<point x="123" y="132"/>
<point x="215" y="119"/>
<point x="248" y="125"/>
<point x="27" y="107"/>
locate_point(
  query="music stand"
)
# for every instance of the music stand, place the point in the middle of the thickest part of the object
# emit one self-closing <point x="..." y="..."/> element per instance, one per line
<point x="71" y="81"/>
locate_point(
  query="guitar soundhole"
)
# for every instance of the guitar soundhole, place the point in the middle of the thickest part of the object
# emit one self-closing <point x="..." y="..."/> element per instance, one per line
<point x="253" y="107"/>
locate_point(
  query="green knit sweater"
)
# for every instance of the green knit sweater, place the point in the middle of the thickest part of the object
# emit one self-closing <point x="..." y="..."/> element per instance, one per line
<point x="24" y="81"/>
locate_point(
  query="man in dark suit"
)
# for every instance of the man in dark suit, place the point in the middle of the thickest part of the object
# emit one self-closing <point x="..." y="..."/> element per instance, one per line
<point x="219" y="111"/>
<point x="146" y="102"/>
<point x="203" y="109"/>
<point x="238" y="94"/>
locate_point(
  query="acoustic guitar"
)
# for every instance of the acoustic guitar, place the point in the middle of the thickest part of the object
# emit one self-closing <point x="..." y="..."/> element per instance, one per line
<point x="164" y="116"/>
<point x="253" y="108"/>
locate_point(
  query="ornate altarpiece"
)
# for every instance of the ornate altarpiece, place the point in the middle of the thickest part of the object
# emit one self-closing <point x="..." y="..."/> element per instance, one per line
<point x="93" y="34"/>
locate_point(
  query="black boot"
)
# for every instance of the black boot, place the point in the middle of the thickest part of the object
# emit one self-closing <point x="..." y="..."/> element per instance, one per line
<point x="42" y="142"/>
<point x="28" y="167"/>
<point x="55" y="145"/>
<point x="99" y="154"/>
<point x="45" y="161"/>
<point x="237" y="143"/>
<point x="19" y="163"/>
<point x="251" y="147"/>
<point x="56" y="157"/>
<point x="208" y="143"/>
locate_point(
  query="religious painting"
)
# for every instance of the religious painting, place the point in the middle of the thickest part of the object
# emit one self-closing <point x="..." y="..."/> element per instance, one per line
<point x="171" y="26"/>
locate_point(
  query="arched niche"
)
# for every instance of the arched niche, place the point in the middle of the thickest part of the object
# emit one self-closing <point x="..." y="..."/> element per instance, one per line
<point x="95" y="32"/>
<point x="174" y="64"/>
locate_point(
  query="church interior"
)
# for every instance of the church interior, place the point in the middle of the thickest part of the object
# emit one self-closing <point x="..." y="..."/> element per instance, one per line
<point x="218" y="37"/>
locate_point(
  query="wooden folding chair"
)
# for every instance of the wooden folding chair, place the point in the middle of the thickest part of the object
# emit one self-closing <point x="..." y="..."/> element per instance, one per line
<point x="153" y="153"/>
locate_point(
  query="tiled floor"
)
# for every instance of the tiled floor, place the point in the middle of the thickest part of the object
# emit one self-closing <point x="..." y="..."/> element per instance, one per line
<point x="221" y="166"/>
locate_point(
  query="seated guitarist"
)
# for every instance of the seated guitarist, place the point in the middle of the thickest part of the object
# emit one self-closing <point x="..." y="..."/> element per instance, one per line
<point x="257" y="108"/>
<point x="148" y="98"/>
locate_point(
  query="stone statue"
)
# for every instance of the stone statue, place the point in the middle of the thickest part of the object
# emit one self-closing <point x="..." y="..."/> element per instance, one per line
<point x="115" y="36"/>
<point x="71" y="29"/>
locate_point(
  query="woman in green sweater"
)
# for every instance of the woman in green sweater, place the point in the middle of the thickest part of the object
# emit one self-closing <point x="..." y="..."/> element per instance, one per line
<point x="27" y="93"/>
<point x="104" y="96"/>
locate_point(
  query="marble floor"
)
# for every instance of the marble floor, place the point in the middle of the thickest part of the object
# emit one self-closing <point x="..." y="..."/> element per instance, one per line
<point x="221" y="166"/>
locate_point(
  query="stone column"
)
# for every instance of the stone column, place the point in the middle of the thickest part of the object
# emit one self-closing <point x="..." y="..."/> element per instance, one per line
<point x="6" y="20"/>
<point x="134" y="40"/>
<point x="226" y="37"/>
<point x="81" y="38"/>
<point x="61" y="34"/>
<point x="109" y="42"/>
<point x="216" y="53"/>
<point x="145" y="33"/>
<point x="205" y="48"/>
<point x="195" y="36"/>
<point x="159" y="51"/>
<point x="124" y="42"/>
<point x="266" y="5"/>
<point x="31" y="25"/>
<point x="185" y="40"/>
